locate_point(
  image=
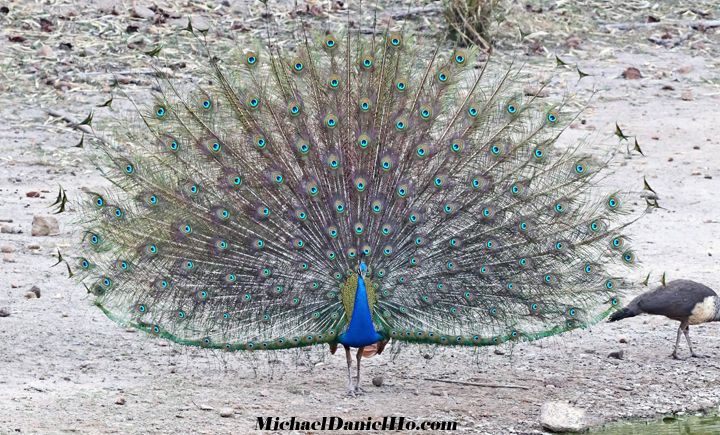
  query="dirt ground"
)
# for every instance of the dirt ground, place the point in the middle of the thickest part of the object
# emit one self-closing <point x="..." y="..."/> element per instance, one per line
<point x="65" y="367"/>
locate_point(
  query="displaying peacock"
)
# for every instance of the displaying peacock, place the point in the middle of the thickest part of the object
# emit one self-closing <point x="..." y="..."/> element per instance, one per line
<point x="354" y="190"/>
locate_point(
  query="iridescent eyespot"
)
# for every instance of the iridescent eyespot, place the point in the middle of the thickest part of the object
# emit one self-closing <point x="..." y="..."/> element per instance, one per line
<point x="460" y="58"/>
<point x="552" y="118"/>
<point x="579" y="168"/>
<point x="367" y="62"/>
<point x="302" y="146"/>
<point x="442" y="76"/>
<point x="628" y="257"/>
<point x="363" y="141"/>
<point x="160" y="112"/>
<point x="395" y="40"/>
<point x="254" y="102"/>
<point x="129" y="169"/>
<point x="207" y="104"/>
<point x="174" y="145"/>
<point x="538" y="153"/>
<point x="559" y="207"/>
<point x="251" y="58"/>
<point x="298" y="65"/>
<point x="495" y="150"/>
<point x="260" y="142"/>
<point x="334" y="82"/>
<point x="400" y="85"/>
<point x="400" y="124"/>
<point x="612" y="202"/>
<point x="511" y="109"/>
<point x="330" y="42"/>
<point x="472" y="111"/>
<point x="294" y="108"/>
<point x="331" y="121"/>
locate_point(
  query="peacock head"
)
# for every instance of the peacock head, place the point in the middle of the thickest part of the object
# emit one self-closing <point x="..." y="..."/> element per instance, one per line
<point x="362" y="269"/>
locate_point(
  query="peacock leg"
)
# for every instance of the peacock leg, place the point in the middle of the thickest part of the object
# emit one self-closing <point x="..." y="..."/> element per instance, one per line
<point x="686" y="331"/>
<point x="677" y="340"/>
<point x="350" y="390"/>
<point x="358" y="390"/>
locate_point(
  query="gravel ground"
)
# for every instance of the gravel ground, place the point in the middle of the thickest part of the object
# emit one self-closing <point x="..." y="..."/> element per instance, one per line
<point x="65" y="367"/>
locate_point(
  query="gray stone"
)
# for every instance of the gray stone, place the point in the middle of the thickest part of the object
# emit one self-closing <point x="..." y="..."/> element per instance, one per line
<point x="377" y="381"/>
<point x="562" y="417"/>
<point x="45" y="226"/>
<point x="226" y="412"/>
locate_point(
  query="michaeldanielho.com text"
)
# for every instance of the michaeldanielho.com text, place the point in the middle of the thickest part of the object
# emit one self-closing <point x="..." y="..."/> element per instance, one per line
<point x="338" y="423"/>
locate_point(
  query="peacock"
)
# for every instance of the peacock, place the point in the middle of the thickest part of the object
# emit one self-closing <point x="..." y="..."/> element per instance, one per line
<point x="351" y="190"/>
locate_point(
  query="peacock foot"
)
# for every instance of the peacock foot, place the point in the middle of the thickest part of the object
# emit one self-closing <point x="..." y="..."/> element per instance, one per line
<point x="675" y="356"/>
<point x="697" y="355"/>
<point x="358" y="390"/>
<point x="350" y="392"/>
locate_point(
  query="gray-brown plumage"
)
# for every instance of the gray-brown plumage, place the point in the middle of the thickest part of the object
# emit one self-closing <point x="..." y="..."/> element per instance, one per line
<point x="688" y="302"/>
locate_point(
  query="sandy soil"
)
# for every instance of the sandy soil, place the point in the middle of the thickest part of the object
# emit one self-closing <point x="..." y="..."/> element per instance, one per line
<point x="65" y="367"/>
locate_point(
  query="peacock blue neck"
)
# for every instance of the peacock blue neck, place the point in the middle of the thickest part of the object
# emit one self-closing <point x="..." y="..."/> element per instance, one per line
<point x="361" y="331"/>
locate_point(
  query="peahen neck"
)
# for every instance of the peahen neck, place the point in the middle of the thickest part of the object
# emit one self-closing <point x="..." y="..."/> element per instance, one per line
<point x="361" y="331"/>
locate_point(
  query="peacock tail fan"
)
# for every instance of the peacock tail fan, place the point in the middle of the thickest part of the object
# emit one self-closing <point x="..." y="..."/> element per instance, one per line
<point x="241" y="207"/>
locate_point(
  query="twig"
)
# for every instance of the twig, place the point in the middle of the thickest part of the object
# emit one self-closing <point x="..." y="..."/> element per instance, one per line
<point x="706" y="24"/>
<point x="75" y="124"/>
<point x="414" y="11"/>
<point x="475" y="384"/>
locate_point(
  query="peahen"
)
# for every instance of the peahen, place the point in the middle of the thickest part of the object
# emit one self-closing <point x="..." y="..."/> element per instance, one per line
<point x="688" y="302"/>
<point x="356" y="190"/>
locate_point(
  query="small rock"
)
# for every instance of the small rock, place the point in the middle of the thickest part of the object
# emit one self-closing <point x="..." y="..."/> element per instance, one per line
<point x="64" y="314"/>
<point x="687" y="95"/>
<point x="35" y="289"/>
<point x="120" y="401"/>
<point x="617" y="355"/>
<point x="32" y="194"/>
<point x="45" y="226"/>
<point x="8" y="258"/>
<point x="33" y="246"/>
<point x="7" y="229"/>
<point x="436" y="393"/>
<point x="14" y="285"/>
<point x="4" y="312"/>
<point x="631" y="73"/>
<point x="142" y="12"/>
<point x="7" y="249"/>
<point x="623" y="340"/>
<point x="696" y="147"/>
<point x="377" y="381"/>
<point x="30" y="295"/>
<point x="499" y="352"/>
<point x="562" y="417"/>
<point x="204" y="407"/>
<point x="226" y="412"/>
<point x="708" y="177"/>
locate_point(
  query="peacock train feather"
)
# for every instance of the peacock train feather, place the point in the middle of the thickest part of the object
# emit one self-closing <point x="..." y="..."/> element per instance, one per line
<point x="356" y="180"/>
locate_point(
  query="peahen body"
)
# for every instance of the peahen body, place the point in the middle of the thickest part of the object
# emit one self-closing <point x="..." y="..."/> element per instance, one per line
<point x="688" y="302"/>
<point x="355" y="190"/>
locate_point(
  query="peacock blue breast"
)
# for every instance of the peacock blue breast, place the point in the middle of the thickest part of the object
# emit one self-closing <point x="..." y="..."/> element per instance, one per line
<point x="361" y="331"/>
